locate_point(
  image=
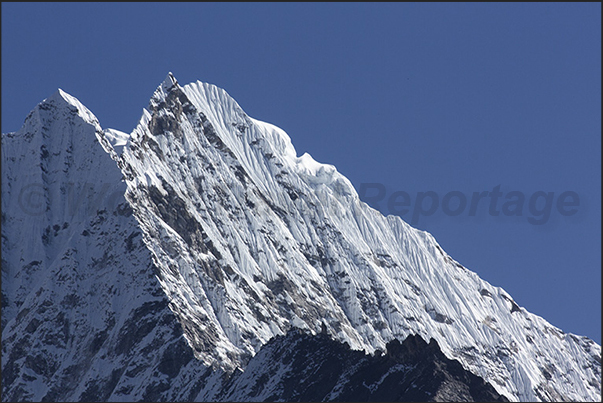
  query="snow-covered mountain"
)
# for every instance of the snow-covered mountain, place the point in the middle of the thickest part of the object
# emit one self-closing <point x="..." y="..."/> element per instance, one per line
<point x="177" y="251"/>
<point x="83" y="315"/>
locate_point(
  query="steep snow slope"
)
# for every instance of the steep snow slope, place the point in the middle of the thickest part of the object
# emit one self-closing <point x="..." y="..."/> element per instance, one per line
<point x="251" y="240"/>
<point x="247" y="240"/>
<point x="83" y="315"/>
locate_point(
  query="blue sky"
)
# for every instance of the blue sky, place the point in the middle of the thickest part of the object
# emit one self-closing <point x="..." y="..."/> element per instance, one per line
<point x="453" y="99"/>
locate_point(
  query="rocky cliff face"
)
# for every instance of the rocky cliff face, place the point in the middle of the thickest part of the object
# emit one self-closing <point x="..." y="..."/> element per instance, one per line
<point x="301" y="367"/>
<point x="151" y="265"/>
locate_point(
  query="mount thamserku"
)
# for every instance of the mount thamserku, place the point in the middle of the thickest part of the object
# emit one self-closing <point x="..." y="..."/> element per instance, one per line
<point x="199" y="258"/>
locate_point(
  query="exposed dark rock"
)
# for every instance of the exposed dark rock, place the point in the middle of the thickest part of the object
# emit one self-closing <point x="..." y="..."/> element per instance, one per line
<point x="302" y="367"/>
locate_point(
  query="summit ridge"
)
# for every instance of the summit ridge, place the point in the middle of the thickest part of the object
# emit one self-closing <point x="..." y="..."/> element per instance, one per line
<point x="235" y="241"/>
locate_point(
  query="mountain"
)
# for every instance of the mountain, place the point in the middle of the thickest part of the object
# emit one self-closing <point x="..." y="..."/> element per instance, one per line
<point x="300" y="367"/>
<point x="156" y="264"/>
<point x="83" y="314"/>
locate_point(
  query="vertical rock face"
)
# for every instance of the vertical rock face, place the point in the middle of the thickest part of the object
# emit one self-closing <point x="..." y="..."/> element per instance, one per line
<point x="134" y="265"/>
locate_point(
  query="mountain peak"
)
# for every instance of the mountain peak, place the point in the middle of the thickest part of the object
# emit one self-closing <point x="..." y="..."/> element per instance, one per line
<point x="238" y="240"/>
<point x="169" y="82"/>
<point x="168" y="85"/>
<point x="62" y="99"/>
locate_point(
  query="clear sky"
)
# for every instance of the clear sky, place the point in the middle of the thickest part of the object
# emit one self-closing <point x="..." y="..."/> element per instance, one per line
<point x="434" y="100"/>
